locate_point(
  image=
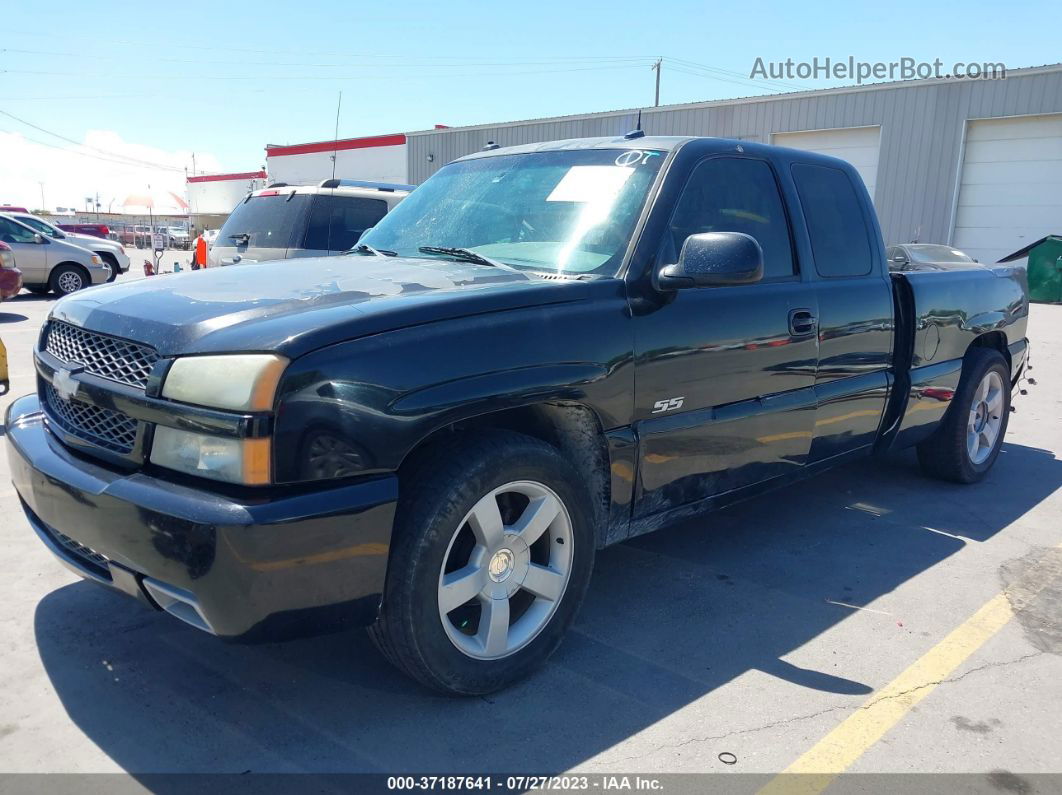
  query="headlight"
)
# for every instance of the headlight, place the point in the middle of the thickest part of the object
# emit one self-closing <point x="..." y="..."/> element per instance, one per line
<point x="242" y="382"/>
<point x="220" y="458"/>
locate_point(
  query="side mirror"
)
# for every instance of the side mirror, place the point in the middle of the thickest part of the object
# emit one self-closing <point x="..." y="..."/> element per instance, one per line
<point x="39" y="238"/>
<point x="714" y="259"/>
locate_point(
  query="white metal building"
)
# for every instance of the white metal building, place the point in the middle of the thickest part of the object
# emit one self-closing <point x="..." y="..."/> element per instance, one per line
<point x="211" y="197"/>
<point x="378" y="158"/>
<point x="973" y="163"/>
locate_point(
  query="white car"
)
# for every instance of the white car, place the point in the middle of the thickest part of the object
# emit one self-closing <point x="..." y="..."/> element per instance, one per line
<point x="110" y="251"/>
<point x="210" y="235"/>
<point x="50" y="263"/>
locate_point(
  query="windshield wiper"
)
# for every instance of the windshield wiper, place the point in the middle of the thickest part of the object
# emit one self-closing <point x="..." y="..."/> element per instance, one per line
<point x="467" y="255"/>
<point x="365" y="248"/>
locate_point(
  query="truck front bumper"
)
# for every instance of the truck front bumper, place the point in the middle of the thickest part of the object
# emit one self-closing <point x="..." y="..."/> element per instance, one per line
<point x="276" y="565"/>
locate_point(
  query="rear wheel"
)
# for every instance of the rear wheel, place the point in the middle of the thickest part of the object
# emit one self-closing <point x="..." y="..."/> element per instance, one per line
<point x="492" y="554"/>
<point x="967" y="443"/>
<point x="67" y="279"/>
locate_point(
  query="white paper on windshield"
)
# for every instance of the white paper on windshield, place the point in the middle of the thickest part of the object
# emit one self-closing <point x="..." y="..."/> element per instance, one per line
<point x="590" y="184"/>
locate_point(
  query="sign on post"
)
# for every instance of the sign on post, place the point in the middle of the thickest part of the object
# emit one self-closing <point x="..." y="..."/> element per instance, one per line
<point x="158" y="241"/>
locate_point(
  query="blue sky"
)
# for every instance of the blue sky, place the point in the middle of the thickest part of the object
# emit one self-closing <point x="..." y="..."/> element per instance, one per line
<point x="225" y="78"/>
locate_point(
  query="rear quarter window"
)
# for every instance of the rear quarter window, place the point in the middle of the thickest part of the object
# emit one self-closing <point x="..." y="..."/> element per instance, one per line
<point x="840" y="240"/>
<point x="336" y="222"/>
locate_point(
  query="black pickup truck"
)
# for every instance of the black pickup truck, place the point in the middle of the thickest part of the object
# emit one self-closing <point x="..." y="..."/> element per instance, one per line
<point x="544" y="350"/>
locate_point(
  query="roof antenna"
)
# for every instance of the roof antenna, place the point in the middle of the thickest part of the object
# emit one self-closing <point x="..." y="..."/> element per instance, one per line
<point x="637" y="132"/>
<point x="335" y="139"/>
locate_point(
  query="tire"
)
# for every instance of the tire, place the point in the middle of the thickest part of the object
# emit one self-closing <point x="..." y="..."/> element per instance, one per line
<point x="68" y="278"/>
<point x="967" y="443"/>
<point x="438" y="535"/>
<point x="112" y="263"/>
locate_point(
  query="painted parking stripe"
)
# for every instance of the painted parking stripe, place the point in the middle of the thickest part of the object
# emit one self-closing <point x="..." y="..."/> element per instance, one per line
<point x="838" y="750"/>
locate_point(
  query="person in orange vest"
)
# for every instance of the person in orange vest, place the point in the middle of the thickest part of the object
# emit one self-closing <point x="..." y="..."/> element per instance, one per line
<point x="199" y="255"/>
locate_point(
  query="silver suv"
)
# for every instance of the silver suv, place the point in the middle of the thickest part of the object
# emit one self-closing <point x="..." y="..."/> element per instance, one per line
<point x="285" y="221"/>
<point x="51" y="264"/>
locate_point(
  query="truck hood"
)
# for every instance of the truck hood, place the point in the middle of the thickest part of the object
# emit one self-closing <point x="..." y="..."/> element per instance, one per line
<point x="292" y="307"/>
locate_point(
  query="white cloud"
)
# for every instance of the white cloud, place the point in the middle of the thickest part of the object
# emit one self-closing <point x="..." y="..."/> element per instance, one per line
<point x="70" y="175"/>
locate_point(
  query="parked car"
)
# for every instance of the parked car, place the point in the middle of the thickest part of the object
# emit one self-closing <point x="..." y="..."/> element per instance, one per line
<point x="49" y="263"/>
<point x="282" y="221"/>
<point x="110" y="251"/>
<point x="177" y="237"/>
<point x="10" y="276"/>
<point x="92" y="230"/>
<point x="926" y="257"/>
<point x="210" y="236"/>
<point x="124" y="234"/>
<point x="544" y="350"/>
<point x="142" y="236"/>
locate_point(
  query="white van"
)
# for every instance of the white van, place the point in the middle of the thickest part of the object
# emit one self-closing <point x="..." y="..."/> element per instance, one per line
<point x="285" y="221"/>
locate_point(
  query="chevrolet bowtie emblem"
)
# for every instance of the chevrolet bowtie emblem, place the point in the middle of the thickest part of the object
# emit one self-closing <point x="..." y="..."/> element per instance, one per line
<point x="63" y="382"/>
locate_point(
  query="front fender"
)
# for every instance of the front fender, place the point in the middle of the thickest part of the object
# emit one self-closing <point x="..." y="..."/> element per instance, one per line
<point x="376" y="398"/>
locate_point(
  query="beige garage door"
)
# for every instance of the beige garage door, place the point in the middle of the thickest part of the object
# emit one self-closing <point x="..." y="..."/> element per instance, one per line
<point x="858" y="145"/>
<point x="1010" y="192"/>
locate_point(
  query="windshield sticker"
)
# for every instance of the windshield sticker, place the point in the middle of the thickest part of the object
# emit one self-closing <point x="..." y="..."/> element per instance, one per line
<point x="634" y="157"/>
<point x="584" y="184"/>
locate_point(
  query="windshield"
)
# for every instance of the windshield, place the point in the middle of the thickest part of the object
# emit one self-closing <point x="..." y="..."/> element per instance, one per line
<point x="928" y="254"/>
<point x="568" y="211"/>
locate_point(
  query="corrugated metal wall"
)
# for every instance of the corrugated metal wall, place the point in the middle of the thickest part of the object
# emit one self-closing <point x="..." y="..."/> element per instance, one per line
<point x="922" y="130"/>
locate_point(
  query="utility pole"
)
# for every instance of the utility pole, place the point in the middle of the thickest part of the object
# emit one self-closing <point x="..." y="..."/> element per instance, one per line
<point x="44" y="207"/>
<point x="656" y="68"/>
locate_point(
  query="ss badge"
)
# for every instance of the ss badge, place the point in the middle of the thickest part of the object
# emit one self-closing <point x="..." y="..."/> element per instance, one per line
<point x="668" y="404"/>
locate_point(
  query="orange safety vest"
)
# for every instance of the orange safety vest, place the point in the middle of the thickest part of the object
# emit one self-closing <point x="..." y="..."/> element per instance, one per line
<point x="200" y="252"/>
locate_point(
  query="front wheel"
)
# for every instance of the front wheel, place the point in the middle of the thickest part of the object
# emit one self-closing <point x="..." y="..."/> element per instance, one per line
<point x="493" y="550"/>
<point x="969" y="438"/>
<point x="68" y="279"/>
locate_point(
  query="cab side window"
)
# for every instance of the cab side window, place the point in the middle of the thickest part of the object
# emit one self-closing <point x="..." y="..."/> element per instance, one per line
<point x="336" y="222"/>
<point x="733" y="194"/>
<point x="840" y="240"/>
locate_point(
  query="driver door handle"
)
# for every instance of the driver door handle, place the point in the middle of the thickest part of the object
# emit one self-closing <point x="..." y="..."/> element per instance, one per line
<point x="802" y="322"/>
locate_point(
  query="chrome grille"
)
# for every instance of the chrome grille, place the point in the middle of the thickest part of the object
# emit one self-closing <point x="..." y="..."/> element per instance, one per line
<point x="107" y="428"/>
<point x="107" y="357"/>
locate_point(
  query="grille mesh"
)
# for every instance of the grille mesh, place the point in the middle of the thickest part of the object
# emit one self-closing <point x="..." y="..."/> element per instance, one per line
<point x="107" y="428"/>
<point x="79" y="549"/>
<point x="107" y="357"/>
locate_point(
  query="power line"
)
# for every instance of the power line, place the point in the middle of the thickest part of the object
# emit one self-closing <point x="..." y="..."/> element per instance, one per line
<point x="114" y="156"/>
<point x="84" y="154"/>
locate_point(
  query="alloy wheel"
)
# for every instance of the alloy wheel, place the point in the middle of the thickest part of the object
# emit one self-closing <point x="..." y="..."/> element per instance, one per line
<point x="986" y="418"/>
<point x="506" y="570"/>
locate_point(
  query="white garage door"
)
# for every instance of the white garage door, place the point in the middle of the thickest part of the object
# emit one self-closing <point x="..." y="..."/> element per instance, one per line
<point x="858" y="145"/>
<point x="1010" y="194"/>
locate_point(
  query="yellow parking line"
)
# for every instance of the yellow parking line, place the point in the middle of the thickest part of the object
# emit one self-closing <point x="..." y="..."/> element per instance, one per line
<point x="839" y="749"/>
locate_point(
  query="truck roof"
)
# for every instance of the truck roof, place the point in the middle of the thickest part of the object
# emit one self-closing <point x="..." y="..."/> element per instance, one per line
<point x="664" y="143"/>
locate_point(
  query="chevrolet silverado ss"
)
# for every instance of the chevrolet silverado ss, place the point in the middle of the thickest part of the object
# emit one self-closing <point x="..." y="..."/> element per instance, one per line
<point x="543" y="350"/>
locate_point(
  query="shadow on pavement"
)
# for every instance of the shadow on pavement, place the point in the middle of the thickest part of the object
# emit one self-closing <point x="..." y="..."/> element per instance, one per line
<point x="669" y="618"/>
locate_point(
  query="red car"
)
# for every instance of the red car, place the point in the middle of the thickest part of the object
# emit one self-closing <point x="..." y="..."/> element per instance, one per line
<point x="10" y="276"/>
<point x="96" y="230"/>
